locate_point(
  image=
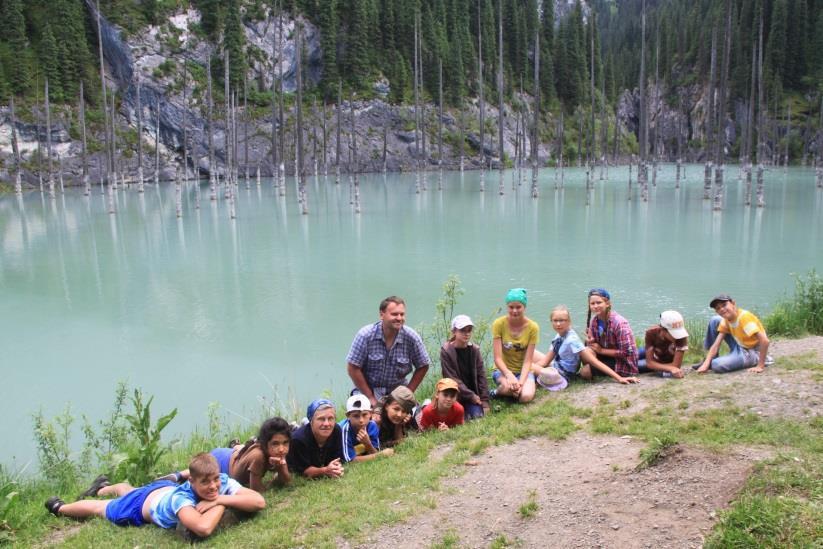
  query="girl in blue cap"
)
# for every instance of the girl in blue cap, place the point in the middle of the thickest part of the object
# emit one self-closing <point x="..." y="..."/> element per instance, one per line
<point x="514" y="338"/>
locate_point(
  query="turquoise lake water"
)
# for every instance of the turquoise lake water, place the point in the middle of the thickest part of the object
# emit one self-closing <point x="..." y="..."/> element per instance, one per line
<point x="262" y="309"/>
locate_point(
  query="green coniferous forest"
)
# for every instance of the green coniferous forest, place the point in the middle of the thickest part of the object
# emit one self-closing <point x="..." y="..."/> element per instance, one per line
<point x="363" y="40"/>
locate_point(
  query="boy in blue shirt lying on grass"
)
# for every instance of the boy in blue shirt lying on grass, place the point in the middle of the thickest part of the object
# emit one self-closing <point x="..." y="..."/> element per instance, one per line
<point x="198" y="504"/>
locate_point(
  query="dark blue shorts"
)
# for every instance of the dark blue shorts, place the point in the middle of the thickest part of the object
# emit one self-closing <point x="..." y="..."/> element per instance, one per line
<point x="128" y="510"/>
<point x="223" y="457"/>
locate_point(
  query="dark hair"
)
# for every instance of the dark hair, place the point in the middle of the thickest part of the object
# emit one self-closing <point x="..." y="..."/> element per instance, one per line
<point x="391" y="299"/>
<point x="386" y="435"/>
<point x="597" y="292"/>
<point x="269" y="428"/>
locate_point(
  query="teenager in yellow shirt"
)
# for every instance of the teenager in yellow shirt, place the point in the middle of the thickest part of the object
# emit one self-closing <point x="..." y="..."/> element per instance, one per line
<point x="743" y="333"/>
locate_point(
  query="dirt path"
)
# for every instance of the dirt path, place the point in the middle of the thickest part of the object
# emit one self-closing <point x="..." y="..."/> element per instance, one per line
<point x="586" y="490"/>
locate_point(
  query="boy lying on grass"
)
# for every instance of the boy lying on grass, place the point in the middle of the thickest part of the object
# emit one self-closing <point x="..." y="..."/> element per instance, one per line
<point x="197" y="504"/>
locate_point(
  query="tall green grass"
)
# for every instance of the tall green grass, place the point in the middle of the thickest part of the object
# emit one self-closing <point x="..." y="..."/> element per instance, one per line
<point x="801" y="313"/>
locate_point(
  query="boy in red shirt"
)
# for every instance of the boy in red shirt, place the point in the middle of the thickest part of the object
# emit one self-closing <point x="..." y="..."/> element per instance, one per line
<point x="444" y="411"/>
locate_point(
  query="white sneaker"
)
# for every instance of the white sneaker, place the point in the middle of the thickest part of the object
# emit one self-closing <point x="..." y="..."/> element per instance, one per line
<point x="769" y="360"/>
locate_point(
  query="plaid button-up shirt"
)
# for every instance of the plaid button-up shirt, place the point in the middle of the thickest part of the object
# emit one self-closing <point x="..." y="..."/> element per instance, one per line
<point x="387" y="368"/>
<point x="618" y="335"/>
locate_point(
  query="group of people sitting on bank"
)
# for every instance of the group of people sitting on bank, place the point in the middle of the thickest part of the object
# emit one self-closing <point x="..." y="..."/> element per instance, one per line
<point x="382" y="408"/>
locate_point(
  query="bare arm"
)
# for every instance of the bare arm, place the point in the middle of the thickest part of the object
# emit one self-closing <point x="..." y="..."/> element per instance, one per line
<point x="711" y="353"/>
<point x="201" y="524"/>
<point x="763" y="347"/>
<point x="244" y="499"/>
<point x="417" y="377"/>
<point x="334" y="469"/>
<point x="359" y="380"/>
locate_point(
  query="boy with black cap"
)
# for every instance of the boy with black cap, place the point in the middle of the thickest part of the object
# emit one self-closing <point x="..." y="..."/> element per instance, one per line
<point x="743" y="333"/>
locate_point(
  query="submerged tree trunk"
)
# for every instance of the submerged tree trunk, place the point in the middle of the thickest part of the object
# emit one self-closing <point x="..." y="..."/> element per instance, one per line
<point x="157" y="139"/>
<point x="18" y="185"/>
<point x="185" y="123"/>
<point x="140" y="139"/>
<point x="707" y="175"/>
<point x="500" y="107"/>
<point x="339" y="123"/>
<point x="299" y="160"/>
<point x="536" y="122"/>
<point x="49" y="167"/>
<point x="481" y="102"/>
<point x="109" y="159"/>
<point x="210" y="124"/>
<point x="721" y="133"/>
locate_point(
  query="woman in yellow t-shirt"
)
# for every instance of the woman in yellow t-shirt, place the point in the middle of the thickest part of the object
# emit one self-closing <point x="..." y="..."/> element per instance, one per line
<point x="515" y="336"/>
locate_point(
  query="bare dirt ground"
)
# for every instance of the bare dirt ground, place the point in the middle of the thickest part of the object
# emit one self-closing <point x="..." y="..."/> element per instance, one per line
<point x="586" y="489"/>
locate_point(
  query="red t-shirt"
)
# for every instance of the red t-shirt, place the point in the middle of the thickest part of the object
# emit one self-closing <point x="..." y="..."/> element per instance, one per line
<point x="430" y="419"/>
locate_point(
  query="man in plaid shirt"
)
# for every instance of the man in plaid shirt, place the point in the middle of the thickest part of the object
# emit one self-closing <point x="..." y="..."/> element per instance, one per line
<point x="384" y="353"/>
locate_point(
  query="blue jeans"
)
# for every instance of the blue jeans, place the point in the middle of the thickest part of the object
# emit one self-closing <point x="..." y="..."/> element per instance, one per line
<point x="472" y="411"/>
<point x="739" y="358"/>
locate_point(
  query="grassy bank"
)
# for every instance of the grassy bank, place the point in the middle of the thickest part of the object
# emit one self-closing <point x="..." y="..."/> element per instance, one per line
<point x="780" y="504"/>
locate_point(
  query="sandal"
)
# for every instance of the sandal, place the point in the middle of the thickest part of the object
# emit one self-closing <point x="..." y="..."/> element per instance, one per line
<point x="53" y="504"/>
<point x="96" y="484"/>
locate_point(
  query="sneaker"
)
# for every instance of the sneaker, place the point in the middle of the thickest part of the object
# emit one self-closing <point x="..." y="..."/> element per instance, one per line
<point x="493" y="394"/>
<point x="174" y="477"/>
<point x="96" y="484"/>
<point x="696" y="366"/>
<point x="53" y="504"/>
<point x="769" y="360"/>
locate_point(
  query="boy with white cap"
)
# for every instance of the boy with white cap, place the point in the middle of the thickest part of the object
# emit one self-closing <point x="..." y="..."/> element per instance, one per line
<point x="666" y="344"/>
<point x="361" y="435"/>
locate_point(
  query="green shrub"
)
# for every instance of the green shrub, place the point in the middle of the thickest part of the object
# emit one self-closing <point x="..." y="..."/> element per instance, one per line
<point x="803" y="312"/>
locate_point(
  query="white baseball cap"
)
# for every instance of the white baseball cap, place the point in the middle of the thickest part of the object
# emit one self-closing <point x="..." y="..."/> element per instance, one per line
<point x="551" y="379"/>
<point x="673" y="322"/>
<point x="461" y="321"/>
<point x="357" y="403"/>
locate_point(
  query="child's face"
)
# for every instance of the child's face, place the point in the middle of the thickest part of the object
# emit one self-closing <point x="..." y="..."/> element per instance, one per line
<point x="359" y="419"/>
<point x="446" y="398"/>
<point x="561" y="322"/>
<point x="727" y="310"/>
<point x="463" y="335"/>
<point x="515" y="309"/>
<point x="206" y="487"/>
<point x="278" y="445"/>
<point x="598" y="304"/>
<point x="395" y="413"/>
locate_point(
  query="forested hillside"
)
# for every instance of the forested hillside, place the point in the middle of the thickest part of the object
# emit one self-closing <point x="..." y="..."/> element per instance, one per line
<point x="369" y="41"/>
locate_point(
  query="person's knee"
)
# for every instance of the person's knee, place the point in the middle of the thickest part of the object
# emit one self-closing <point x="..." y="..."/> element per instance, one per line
<point x="586" y="372"/>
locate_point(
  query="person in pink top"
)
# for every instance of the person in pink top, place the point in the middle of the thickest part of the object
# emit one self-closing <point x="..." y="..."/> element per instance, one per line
<point x="443" y="411"/>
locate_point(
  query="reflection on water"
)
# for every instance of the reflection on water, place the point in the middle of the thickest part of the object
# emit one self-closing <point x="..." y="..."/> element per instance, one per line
<point x="205" y="308"/>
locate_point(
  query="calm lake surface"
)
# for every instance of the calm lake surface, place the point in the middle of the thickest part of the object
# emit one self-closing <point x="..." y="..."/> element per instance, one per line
<point x="262" y="309"/>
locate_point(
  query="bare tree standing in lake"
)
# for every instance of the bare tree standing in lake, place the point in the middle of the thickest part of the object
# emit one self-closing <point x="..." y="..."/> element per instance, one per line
<point x="49" y="167"/>
<point x="536" y="121"/>
<point x="480" y="98"/>
<point x="439" y="127"/>
<point x="761" y="124"/>
<point x="355" y="166"/>
<point x="109" y="159"/>
<point x="707" y="174"/>
<point x="722" y="100"/>
<point x="210" y="130"/>
<point x="139" y="108"/>
<point x="417" y="136"/>
<point x="500" y="111"/>
<point x="642" y="174"/>
<point x="18" y="185"/>
<point x="339" y="124"/>
<point x="298" y="48"/>
<point x="157" y="139"/>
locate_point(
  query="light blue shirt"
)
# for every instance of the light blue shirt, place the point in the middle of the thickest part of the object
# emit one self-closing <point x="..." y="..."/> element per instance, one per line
<point x="568" y="356"/>
<point x="164" y="513"/>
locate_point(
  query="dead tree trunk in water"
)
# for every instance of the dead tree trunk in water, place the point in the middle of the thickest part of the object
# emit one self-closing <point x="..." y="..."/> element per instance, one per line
<point x="500" y="94"/>
<point x="140" y="138"/>
<point x="720" y="158"/>
<point x="480" y="98"/>
<point x="788" y="134"/>
<point x="300" y="168"/>
<point x="227" y="142"/>
<point x="354" y="168"/>
<point x="339" y="123"/>
<point x="644" y="112"/>
<point x="109" y="159"/>
<point x="246" y="130"/>
<point x="49" y="167"/>
<point x="761" y="200"/>
<point x="210" y="124"/>
<point x="185" y="122"/>
<point x="18" y="184"/>
<point x="83" y="143"/>
<point x="157" y="141"/>
<point x="439" y="125"/>
<point x="750" y="127"/>
<point x="707" y="174"/>
<point x="536" y="122"/>
<point x="275" y="161"/>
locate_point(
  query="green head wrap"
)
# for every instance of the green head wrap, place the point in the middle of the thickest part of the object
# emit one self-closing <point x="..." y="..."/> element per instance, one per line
<point x="517" y="294"/>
